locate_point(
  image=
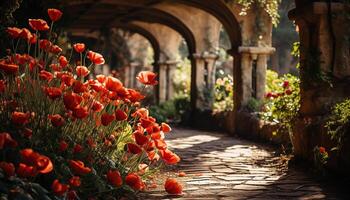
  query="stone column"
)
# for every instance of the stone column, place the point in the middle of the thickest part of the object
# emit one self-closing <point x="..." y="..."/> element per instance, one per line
<point x="132" y="74"/>
<point x="205" y="79"/>
<point x="171" y="67"/>
<point x="261" y="76"/>
<point x="162" y="82"/>
<point x="127" y="76"/>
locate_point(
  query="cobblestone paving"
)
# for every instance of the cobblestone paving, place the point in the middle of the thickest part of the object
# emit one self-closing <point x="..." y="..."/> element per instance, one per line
<point x="221" y="167"/>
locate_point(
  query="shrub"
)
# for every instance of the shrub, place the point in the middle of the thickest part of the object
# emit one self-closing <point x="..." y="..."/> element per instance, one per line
<point x="223" y="94"/>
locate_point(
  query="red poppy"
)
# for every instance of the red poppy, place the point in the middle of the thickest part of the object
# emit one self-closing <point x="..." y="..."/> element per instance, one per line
<point x="55" y="49"/>
<point x="54" y="14"/>
<point x="113" y="84"/>
<point x="7" y="140"/>
<point x="72" y="100"/>
<point x="67" y="79"/>
<point x="43" y="164"/>
<point x="57" y="120"/>
<point x="169" y="157"/>
<point x="82" y="71"/>
<point x="58" y="188"/>
<point x="135" y="96"/>
<point x="53" y="92"/>
<point x="77" y="149"/>
<point x="172" y="186"/>
<point x="147" y="122"/>
<point x="25" y="34"/>
<point x="106" y="119"/>
<point x="147" y="78"/>
<point x="8" y="67"/>
<point x="96" y="58"/>
<point x="26" y="171"/>
<point x="101" y="78"/>
<point x="72" y="195"/>
<point x="75" y="181"/>
<point x="160" y="144"/>
<point x="78" y="167"/>
<point x="80" y="112"/>
<point x="141" y="112"/>
<point x="45" y="75"/>
<point x="44" y="44"/>
<point x="140" y="138"/>
<point x="8" y="168"/>
<point x="134" y="148"/>
<point x="165" y="127"/>
<point x="134" y="181"/>
<point x="114" y="178"/>
<point x="38" y="24"/>
<point x="56" y="67"/>
<point x="120" y="115"/>
<point x="63" y="146"/>
<point x="2" y="86"/>
<point x="97" y="106"/>
<point x="63" y="61"/>
<point x="322" y="150"/>
<point x="79" y="87"/>
<point x="33" y="39"/>
<point x="152" y="155"/>
<point x="14" y="32"/>
<point x="29" y="156"/>
<point x="79" y="47"/>
<point x="20" y="118"/>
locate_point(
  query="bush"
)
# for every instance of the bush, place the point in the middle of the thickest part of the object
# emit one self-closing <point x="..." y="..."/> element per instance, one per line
<point x="223" y="94"/>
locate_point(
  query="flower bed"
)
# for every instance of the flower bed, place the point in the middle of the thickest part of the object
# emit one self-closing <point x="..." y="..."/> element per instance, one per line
<point x="69" y="137"/>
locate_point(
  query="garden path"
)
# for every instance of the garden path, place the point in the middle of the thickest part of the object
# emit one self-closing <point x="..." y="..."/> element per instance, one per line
<point x="219" y="166"/>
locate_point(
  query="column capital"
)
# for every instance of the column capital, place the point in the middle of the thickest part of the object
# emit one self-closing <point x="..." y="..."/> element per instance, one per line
<point x="206" y="55"/>
<point x="256" y="50"/>
<point x="168" y="62"/>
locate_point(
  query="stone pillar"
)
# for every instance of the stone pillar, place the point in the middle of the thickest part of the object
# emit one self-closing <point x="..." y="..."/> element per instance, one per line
<point x="261" y="76"/>
<point x="171" y="67"/>
<point x="132" y="74"/>
<point x="162" y="82"/>
<point x="127" y="76"/>
<point x="205" y="80"/>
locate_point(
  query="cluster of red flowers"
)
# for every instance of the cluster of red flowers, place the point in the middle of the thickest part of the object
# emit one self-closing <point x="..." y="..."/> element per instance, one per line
<point x="73" y="102"/>
<point x="287" y="91"/>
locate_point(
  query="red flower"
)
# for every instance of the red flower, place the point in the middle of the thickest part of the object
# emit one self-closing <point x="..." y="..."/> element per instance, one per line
<point x="114" y="178"/>
<point x="26" y="34"/>
<point x="55" y="49"/>
<point x="77" y="149"/>
<point x="147" y="78"/>
<point x="72" y="100"/>
<point x="134" y="148"/>
<point x="63" y="61"/>
<point x="169" y="157"/>
<point x="134" y="181"/>
<point x="72" y="195"/>
<point x="27" y="133"/>
<point x="80" y="112"/>
<point x="101" y="78"/>
<point x="140" y="138"/>
<point x="165" y="128"/>
<point x="78" y="167"/>
<point x="54" y="14"/>
<point x="172" y="186"/>
<point x="96" y="58"/>
<point x="14" y="32"/>
<point x="43" y="164"/>
<point x="289" y="92"/>
<point x="97" y="106"/>
<point x="67" y="79"/>
<point x="53" y="92"/>
<point x="45" y="75"/>
<point x="79" y="87"/>
<point x="160" y="144"/>
<point x="75" y="181"/>
<point x="7" y="140"/>
<point x="79" y="47"/>
<point x="8" y="68"/>
<point x="8" y="168"/>
<point x="20" y="118"/>
<point x="63" y="146"/>
<point x="106" y="119"/>
<point x="55" y="67"/>
<point x="113" y="84"/>
<point x="26" y="171"/>
<point x="38" y="24"/>
<point x="285" y="84"/>
<point x="58" y="188"/>
<point x="33" y="39"/>
<point x="135" y="96"/>
<point x="147" y="122"/>
<point x="120" y="115"/>
<point x="322" y="150"/>
<point x="82" y="71"/>
<point x="56" y="120"/>
<point x="44" y="44"/>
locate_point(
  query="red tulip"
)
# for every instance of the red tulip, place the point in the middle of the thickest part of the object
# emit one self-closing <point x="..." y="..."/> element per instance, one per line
<point x="63" y="61"/>
<point x="78" y="167"/>
<point x="140" y="138"/>
<point x="79" y="47"/>
<point x="58" y="188"/>
<point x="134" y="181"/>
<point x="20" y="118"/>
<point x="106" y="119"/>
<point x="13" y="32"/>
<point x="63" y="146"/>
<point x="38" y="24"/>
<point x="114" y="178"/>
<point x="169" y="157"/>
<point x="172" y="186"/>
<point x="82" y="71"/>
<point x="54" y="14"/>
<point x="147" y="78"/>
<point x="55" y="49"/>
<point x="53" y="92"/>
<point x="165" y="128"/>
<point x="113" y="84"/>
<point x="120" y="115"/>
<point x="8" y="67"/>
<point x="75" y="181"/>
<point x="26" y="171"/>
<point x="96" y="58"/>
<point x="8" y="168"/>
<point x="72" y="100"/>
<point x="80" y="112"/>
<point x="57" y="120"/>
<point x="134" y="148"/>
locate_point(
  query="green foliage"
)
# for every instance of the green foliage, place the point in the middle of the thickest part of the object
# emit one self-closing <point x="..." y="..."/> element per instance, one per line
<point x="182" y="78"/>
<point x="224" y="94"/>
<point x="254" y="105"/>
<point x="338" y="124"/>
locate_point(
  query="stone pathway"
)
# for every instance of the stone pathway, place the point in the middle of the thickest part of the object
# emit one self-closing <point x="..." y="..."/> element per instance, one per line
<point x="218" y="166"/>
